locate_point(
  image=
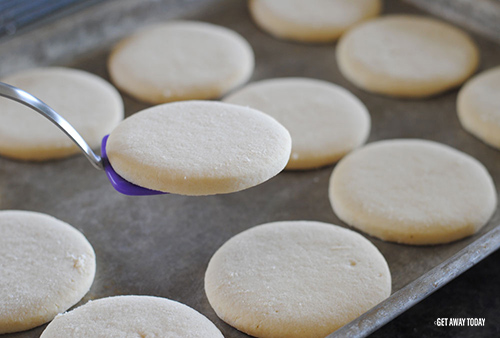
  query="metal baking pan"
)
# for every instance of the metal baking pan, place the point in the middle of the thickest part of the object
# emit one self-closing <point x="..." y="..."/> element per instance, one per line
<point x="161" y="245"/>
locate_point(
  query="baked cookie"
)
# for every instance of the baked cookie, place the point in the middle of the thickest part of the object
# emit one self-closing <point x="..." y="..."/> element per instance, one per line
<point x="407" y="56"/>
<point x="47" y="266"/>
<point x="131" y="316"/>
<point x="86" y="101"/>
<point x="312" y="20"/>
<point x="413" y="192"/>
<point x="325" y="121"/>
<point x="198" y="148"/>
<point x="295" y="279"/>
<point x="478" y="106"/>
<point x="181" y="60"/>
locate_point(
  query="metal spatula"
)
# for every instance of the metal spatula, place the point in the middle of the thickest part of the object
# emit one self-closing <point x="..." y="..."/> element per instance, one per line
<point x="99" y="162"/>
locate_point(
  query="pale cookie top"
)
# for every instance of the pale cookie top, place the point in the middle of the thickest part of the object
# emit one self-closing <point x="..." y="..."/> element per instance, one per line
<point x="478" y="106"/>
<point x="46" y="267"/>
<point x="407" y="56"/>
<point x="181" y="60"/>
<point x="312" y="20"/>
<point x="325" y="120"/>
<point x="412" y="191"/>
<point x="86" y="101"/>
<point x="199" y="148"/>
<point x="295" y="279"/>
<point x="132" y="316"/>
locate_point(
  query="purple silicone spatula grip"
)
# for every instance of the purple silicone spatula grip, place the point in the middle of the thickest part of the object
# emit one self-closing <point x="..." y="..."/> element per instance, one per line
<point x="119" y="183"/>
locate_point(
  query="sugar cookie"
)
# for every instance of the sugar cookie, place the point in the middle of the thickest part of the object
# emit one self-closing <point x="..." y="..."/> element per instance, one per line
<point x="88" y="102"/>
<point x="132" y="316"/>
<point x="312" y="20"/>
<point x="325" y="120"/>
<point x="295" y="279"/>
<point x="181" y="60"/>
<point x="413" y="192"/>
<point x="199" y="148"/>
<point x="478" y="106"/>
<point x="407" y="56"/>
<point x="47" y="266"/>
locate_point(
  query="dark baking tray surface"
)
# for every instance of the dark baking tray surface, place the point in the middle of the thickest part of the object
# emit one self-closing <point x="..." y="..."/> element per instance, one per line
<point x="161" y="245"/>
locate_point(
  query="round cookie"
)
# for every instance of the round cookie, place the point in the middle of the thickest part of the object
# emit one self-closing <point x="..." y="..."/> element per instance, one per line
<point x="406" y="56"/>
<point x="181" y="60"/>
<point x="198" y="148"/>
<point x="47" y="266"/>
<point x="132" y="316"/>
<point x="478" y="106"/>
<point x="295" y="279"/>
<point x="86" y="101"/>
<point x="312" y="20"/>
<point x="413" y="192"/>
<point x="325" y="121"/>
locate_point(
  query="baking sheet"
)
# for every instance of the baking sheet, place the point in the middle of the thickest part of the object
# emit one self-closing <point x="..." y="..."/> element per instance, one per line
<point x="161" y="245"/>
